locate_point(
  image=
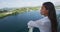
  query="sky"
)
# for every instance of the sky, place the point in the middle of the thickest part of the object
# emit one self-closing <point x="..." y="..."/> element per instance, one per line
<point x="25" y="3"/>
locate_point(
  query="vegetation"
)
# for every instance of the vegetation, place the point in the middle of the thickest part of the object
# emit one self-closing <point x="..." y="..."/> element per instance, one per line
<point x="6" y="12"/>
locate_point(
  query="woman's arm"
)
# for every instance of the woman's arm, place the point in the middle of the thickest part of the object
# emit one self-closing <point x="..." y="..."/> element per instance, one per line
<point x="38" y="23"/>
<point x="32" y="24"/>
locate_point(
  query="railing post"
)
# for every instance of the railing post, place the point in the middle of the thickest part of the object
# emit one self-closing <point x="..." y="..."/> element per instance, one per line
<point x="31" y="29"/>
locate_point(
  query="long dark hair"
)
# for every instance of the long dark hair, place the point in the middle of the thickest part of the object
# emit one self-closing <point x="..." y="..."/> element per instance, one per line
<point x="51" y="15"/>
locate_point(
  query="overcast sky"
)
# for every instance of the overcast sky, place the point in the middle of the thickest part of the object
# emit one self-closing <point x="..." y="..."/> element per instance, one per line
<point x="24" y="3"/>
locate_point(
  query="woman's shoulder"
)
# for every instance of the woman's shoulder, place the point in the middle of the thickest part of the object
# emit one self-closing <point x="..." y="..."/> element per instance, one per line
<point x="42" y="21"/>
<point x="45" y="19"/>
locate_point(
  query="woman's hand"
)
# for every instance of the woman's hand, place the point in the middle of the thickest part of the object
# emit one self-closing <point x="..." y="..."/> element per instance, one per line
<point x="30" y="24"/>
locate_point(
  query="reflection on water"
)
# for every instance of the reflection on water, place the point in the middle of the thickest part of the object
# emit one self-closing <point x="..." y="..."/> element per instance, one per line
<point x="18" y="23"/>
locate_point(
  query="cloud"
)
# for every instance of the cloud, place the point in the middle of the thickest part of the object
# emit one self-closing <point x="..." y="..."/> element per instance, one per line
<point x="56" y="2"/>
<point x="24" y="3"/>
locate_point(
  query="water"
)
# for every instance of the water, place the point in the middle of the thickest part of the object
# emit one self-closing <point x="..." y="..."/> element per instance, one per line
<point x="18" y="23"/>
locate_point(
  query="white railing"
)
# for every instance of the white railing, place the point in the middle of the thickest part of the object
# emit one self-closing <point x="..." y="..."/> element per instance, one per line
<point x="31" y="29"/>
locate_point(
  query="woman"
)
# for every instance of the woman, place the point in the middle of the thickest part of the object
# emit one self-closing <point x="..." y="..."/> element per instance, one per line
<point x="49" y="22"/>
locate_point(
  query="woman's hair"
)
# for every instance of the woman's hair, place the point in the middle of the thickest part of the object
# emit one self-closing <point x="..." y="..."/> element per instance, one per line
<point x="51" y="15"/>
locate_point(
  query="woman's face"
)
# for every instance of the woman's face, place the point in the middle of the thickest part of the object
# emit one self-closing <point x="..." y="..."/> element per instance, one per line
<point x="44" y="11"/>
